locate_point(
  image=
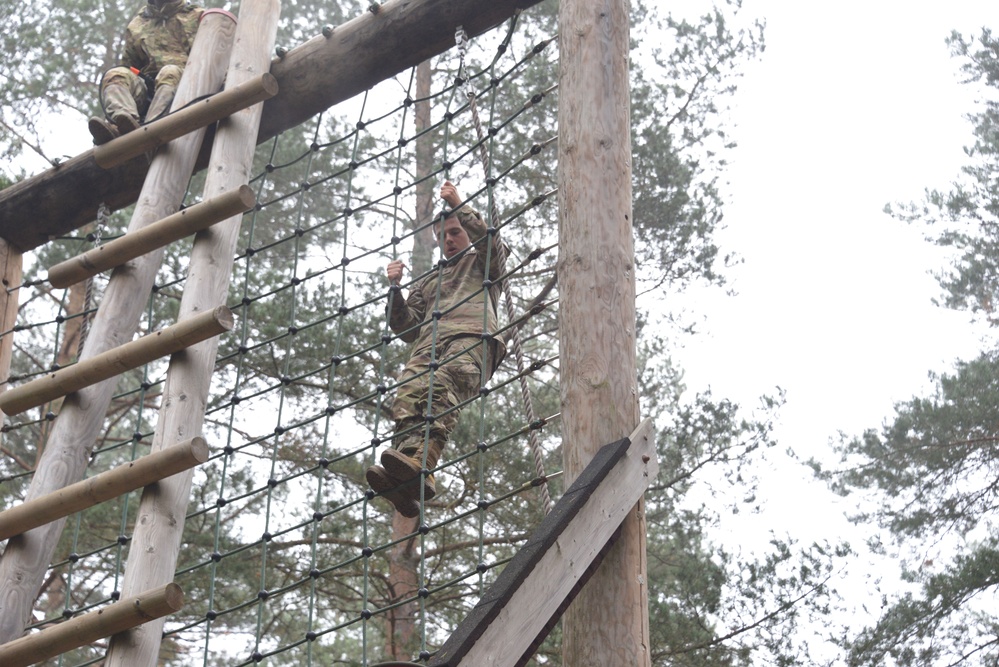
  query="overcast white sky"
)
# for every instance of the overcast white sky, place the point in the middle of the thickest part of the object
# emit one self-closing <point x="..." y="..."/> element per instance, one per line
<point x="852" y="106"/>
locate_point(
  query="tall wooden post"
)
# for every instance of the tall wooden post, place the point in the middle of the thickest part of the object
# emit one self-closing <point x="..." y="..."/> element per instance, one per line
<point x="11" y="269"/>
<point x="24" y="562"/>
<point x="607" y="625"/>
<point x="159" y="525"/>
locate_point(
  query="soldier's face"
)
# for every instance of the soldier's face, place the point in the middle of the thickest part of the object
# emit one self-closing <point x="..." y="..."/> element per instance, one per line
<point x="455" y="238"/>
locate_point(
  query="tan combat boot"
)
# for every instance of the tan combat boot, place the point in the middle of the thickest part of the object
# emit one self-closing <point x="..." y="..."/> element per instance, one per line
<point x="125" y="122"/>
<point x="119" y="106"/>
<point x="406" y="466"/>
<point x="394" y="491"/>
<point x="101" y="130"/>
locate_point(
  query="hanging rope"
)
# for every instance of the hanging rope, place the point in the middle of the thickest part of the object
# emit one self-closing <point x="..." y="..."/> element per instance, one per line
<point x="461" y="39"/>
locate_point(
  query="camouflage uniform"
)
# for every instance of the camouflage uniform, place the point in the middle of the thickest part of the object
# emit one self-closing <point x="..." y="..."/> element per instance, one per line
<point x="458" y="349"/>
<point x="157" y="42"/>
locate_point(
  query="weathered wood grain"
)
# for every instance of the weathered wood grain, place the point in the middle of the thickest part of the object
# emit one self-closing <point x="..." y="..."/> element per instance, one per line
<point x="157" y="235"/>
<point x="159" y="524"/>
<point x="117" y="360"/>
<point x="608" y="622"/>
<point x="105" y="486"/>
<point x="92" y="626"/>
<point x="516" y="613"/>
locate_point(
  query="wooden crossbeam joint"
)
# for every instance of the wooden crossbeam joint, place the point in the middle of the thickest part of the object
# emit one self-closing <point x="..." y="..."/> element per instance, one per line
<point x="178" y="123"/>
<point x="105" y="486"/>
<point x="172" y="228"/>
<point x="106" y="365"/>
<point x="92" y="626"/>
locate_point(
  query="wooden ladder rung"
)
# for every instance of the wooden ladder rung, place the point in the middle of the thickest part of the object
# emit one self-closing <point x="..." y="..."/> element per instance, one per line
<point x="123" y="358"/>
<point x="105" y="486"/>
<point x="196" y="115"/>
<point x="155" y="235"/>
<point x="92" y="626"/>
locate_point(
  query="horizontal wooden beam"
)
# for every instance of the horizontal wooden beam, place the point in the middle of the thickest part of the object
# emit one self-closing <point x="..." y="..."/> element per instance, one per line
<point x="523" y="604"/>
<point x="156" y="235"/>
<point x="123" y="358"/>
<point x="92" y="626"/>
<point x="105" y="486"/>
<point x="312" y="77"/>
<point x="187" y="119"/>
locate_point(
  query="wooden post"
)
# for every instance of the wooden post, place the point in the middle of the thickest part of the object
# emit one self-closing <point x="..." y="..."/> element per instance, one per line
<point x="157" y="235"/>
<point x="118" y="360"/>
<point x="608" y="623"/>
<point x="105" y="486"/>
<point x="91" y="627"/>
<point x="81" y="417"/>
<point x="11" y="267"/>
<point x="179" y="123"/>
<point x="159" y="523"/>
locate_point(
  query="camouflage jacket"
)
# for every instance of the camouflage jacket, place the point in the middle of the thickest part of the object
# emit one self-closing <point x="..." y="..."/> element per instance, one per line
<point x="462" y="299"/>
<point x="161" y="36"/>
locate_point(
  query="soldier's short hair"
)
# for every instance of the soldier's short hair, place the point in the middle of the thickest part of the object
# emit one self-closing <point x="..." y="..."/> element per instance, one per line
<point x="464" y="213"/>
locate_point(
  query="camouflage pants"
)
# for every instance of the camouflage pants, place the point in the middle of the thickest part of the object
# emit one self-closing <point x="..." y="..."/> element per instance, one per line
<point x="124" y="91"/>
<point x="455" y="381"/>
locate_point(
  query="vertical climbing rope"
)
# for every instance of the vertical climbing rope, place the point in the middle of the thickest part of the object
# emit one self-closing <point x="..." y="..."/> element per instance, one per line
<point x="103" y="215"/>
<point x="461" y="40"/>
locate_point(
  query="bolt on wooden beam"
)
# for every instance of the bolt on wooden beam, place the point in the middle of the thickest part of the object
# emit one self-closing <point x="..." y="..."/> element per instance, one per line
<point x="157" y="235"/>
<point x="105" y="486"/>
<point x="123" y="358"/>
<point x="92" y="626"/>
<point x="197" y="115"/>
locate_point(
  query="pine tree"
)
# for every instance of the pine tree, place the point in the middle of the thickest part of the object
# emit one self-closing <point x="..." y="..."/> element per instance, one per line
<point x="927" y="476"/>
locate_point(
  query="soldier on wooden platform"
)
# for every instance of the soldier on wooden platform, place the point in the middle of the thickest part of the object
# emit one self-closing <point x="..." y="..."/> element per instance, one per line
<point x="157" y="42"/>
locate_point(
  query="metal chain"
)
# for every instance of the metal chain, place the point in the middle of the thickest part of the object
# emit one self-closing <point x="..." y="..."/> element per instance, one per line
<point x="461" y="40"/>
<point x="103" y="215"/>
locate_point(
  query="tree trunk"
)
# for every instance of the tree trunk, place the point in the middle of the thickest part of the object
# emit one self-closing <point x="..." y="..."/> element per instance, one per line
<point x="400" y="636"/>
<point x="69" y="351"/>
<point x="401" y="640"/>
<point x="423" y="242"/>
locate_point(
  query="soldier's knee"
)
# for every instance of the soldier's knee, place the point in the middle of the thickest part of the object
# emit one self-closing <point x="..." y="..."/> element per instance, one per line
<point x="118" y="75"/>
<point x="169" y="75"/>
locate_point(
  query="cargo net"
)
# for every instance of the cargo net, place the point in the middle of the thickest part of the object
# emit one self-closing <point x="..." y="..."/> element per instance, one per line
<point x="287" y="558"/>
